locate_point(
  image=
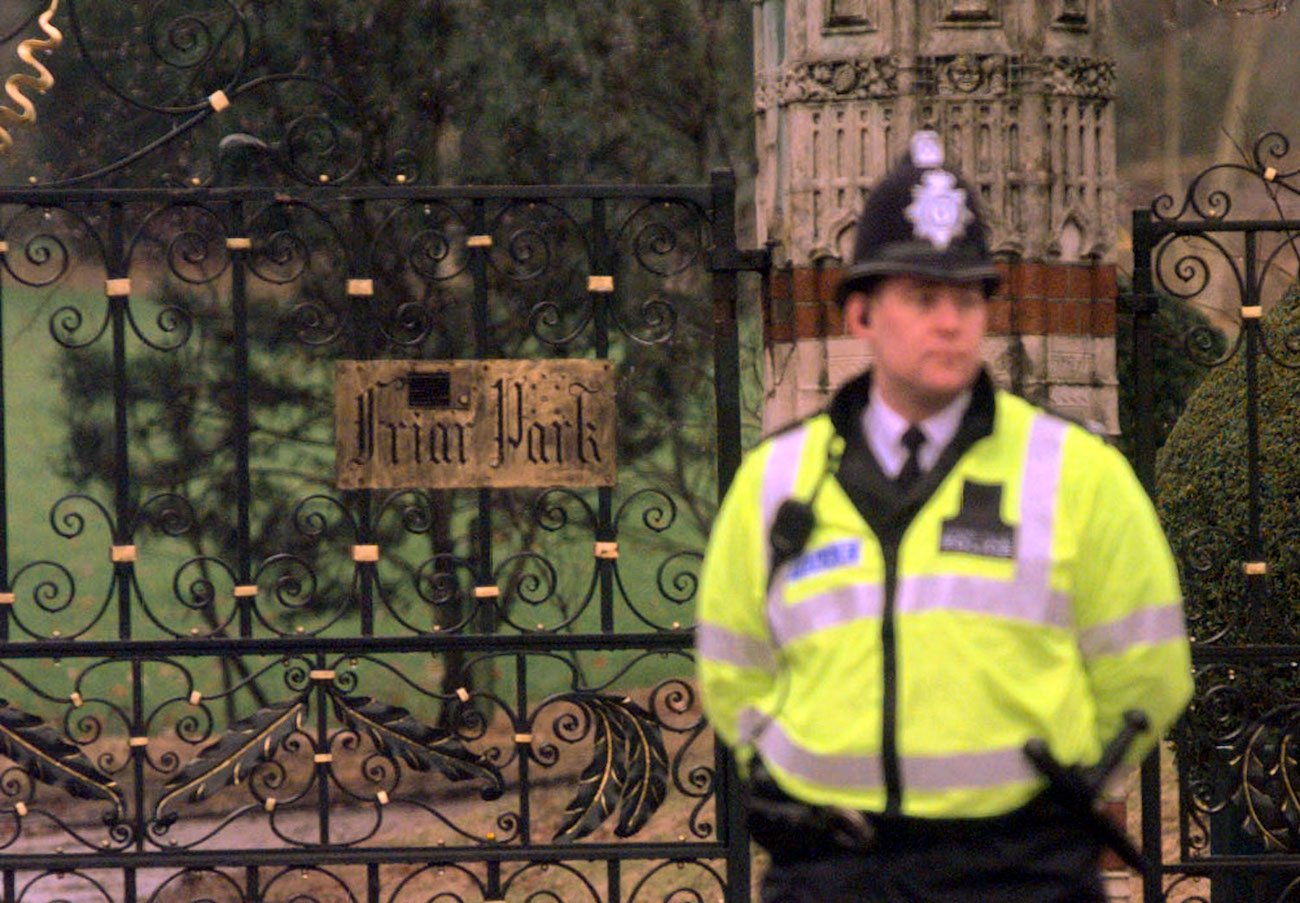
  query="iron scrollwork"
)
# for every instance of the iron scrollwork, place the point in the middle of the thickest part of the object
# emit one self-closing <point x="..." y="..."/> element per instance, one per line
<point x="220" y="758"/>
<point x="251" y="742"/>
<point x="627" y="773"/>
<point x="206" y="51"/>
<point x="1268" y="780"/>
<point x="45" y="756"/>
<point x="1223" y="486"/>
<point x="210" y="646"/>
<point x="1206" y="198"/>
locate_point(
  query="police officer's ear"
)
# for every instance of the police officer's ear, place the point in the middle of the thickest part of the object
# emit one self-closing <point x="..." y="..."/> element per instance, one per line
<point x="857" y="314"/>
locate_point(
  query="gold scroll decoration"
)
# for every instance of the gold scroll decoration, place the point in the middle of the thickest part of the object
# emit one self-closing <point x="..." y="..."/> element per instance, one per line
<point x="41" y="82"/>
<point x="473" y="424"/>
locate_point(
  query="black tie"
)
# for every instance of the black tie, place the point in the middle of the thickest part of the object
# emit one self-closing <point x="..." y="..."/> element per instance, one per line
<point x="913" y="439"/>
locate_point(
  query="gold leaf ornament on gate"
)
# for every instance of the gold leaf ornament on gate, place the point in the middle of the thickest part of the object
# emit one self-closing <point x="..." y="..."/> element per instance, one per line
<point x="396" y="734"/>
<point x="232" y="758"/>
<point x="41" y="82"/>
<point x="627" y="773"/>
<point x="46" y="757"/>
<point x="1266" y="770"/>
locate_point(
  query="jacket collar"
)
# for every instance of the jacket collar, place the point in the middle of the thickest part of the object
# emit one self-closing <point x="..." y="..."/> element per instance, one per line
<point x="845" y="409"/>
<point x="878" y="499"/>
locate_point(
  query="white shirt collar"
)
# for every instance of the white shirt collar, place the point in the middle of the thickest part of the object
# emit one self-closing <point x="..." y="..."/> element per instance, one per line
<point x="884" y="428"/>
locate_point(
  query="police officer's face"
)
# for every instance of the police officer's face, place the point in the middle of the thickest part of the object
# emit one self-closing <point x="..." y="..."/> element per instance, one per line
<point x="924" y="336"/>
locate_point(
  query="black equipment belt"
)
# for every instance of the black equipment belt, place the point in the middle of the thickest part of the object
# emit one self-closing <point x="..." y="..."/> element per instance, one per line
<point x="791" y="830"/>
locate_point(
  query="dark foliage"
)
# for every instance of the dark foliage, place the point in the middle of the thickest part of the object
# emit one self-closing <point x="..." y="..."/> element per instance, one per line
<point x="1204" y="495"/>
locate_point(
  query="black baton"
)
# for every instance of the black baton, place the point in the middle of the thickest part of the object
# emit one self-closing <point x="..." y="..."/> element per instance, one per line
<point x="1078" y="789"/>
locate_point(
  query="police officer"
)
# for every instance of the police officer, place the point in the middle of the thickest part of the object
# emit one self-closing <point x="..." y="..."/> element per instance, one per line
<point x="901" y="591"/>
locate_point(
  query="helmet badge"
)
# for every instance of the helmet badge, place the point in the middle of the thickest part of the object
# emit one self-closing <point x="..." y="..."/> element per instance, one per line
<point x="926" y="150"/>
<point x="938" y="212"/>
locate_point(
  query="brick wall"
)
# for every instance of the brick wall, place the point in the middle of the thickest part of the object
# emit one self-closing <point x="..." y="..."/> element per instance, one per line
<point x="1035" y="299"/>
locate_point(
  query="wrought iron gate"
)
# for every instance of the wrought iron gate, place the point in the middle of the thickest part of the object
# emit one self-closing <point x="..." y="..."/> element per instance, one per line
<point x="1215" y="302"/>
<point x="211" y="645"/>
<point x="222" y="678"/>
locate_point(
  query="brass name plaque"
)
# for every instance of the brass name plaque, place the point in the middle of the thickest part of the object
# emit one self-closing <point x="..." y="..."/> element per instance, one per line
<point x="469" y="424"/>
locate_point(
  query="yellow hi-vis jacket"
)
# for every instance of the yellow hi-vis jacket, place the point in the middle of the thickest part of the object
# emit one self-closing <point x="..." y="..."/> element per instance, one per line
<point x="1031" y="594"/>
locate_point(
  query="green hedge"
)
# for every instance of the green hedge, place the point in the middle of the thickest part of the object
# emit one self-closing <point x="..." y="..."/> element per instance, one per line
<point x="1202" y="494"/>
<point x="1202" y="483"/>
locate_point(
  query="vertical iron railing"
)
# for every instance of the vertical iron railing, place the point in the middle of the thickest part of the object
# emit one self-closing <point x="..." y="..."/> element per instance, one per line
<point x="726" y="263"/>
<point x="1233" y="772"/>
<point x="147" y="632"/>
<point x="1143" y="306"/>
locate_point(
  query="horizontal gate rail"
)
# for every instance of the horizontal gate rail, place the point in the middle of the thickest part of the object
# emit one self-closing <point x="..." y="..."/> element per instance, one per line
<point x="184" y="859"/>
<point x="207" y="647"/>
<point x="702" y="195"/>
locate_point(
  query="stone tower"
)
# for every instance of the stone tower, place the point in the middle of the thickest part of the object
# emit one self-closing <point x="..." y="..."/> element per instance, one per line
<point x="1020" y="91"/>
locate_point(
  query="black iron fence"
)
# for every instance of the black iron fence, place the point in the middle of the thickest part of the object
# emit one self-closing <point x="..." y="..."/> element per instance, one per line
<point x="1216" y="348"/>
<point x="225" y="679"/>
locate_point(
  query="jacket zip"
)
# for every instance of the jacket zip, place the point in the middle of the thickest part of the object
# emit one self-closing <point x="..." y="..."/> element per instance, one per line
<point x="889" y="702"/>
<point x="887" y="516"/>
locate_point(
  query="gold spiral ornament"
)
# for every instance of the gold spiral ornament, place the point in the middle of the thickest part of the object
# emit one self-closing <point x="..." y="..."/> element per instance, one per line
<point x="42" y="81"/>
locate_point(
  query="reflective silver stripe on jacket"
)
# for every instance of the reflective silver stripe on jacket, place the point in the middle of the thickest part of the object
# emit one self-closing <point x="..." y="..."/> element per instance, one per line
<point x="830" y="609"/>
<point x="722" y="645"/>
<point x="951" y="771"/>
<point x="779" y="476"/>
<point x="1027" y="597"/>
<point x="983" y="595"/>
<point x="1157" y="624"/>
<point x="1038" y="495"/>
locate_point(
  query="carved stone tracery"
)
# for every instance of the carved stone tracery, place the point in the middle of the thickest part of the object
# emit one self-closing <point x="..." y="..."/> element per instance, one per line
<point x="981" y="104"/>
<point x="826" y="81"/>
<point x="967" y="73"/>
<point x="1073" y="76"/>
<point x="994" y="75"/>
<point x="1020" y="92"/>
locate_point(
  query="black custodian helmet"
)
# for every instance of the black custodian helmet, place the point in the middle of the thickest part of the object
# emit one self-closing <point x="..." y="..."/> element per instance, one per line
<point x="921" y="220"/>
